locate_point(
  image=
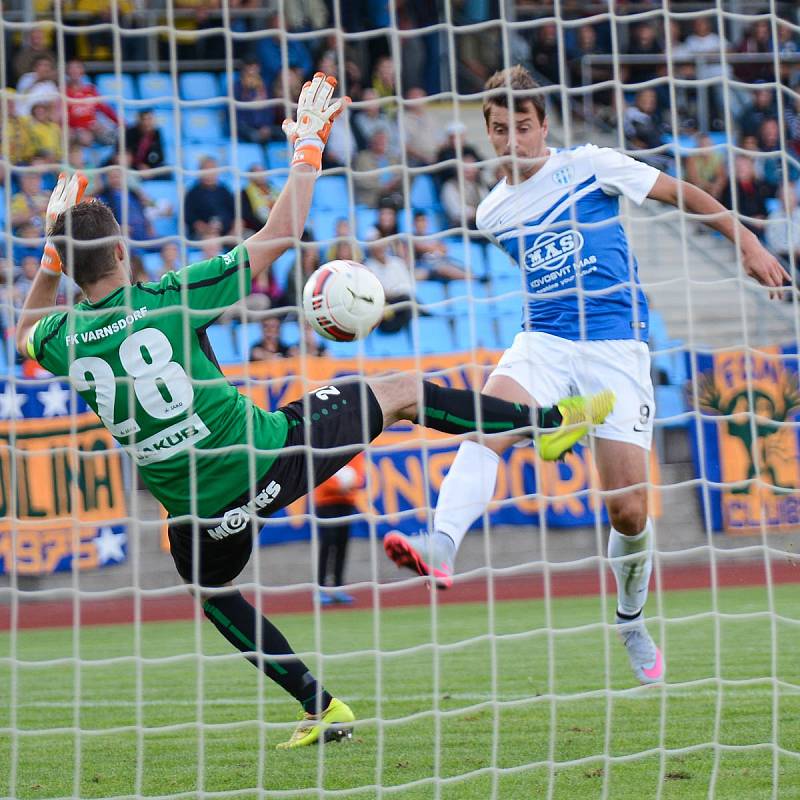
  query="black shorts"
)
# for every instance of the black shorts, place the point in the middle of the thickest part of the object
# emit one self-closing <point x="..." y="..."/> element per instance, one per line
<point x="337" y="422"/>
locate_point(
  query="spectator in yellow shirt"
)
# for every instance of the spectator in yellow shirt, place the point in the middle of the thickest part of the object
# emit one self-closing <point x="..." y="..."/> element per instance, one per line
<point x="16" y="133"/>
<point x="45" y="130"/>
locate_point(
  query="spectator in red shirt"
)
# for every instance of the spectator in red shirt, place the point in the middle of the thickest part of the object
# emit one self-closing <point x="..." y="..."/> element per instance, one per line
<point x="83" y="107"/>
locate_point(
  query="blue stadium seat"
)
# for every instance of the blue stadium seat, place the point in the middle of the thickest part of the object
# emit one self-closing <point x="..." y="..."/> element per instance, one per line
<point x="330" y="194"/>
<point x="223" y="344"/>
<point x="423" y="193"/>
<point x="482" y="335"/>
<point x="290" y="332"/>
<point x="389" y="344"/>
<point x="432" y="335"/>
<point x="247" y="155"/>
<point x="354" y="349"/>
<point x="163" y="190"/>
<point x="432" y="295"/>
<point x="467" y="290"/>
<point x="202" y="125"/>
<point x="157" y="88"/>
<point x="282" y="265"/>
<point x="152" y="264"/>
<point x="470" y="254"/>
<point x="277" y="155"/>
<point x="500" y="263"/>
<point x="113" y="87"/>
<point x="366" y="218"/>
<point x="324" y="226"/>
<point x="772" y="204"/>
<point x="667" y="358"/>
<point x="167" y="191"/>
<point x="247" y="335"/>
<point x="670" y="403"/>
<point x="200" y="86"/>
<point x="509" y="324"/>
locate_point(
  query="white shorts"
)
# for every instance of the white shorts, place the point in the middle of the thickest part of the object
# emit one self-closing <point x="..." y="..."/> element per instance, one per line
<point x="549" y="368"/>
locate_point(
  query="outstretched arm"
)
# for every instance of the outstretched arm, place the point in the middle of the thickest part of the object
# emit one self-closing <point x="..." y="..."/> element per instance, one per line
<point x="758" y="262"/>
<point x="315" y="115"/>
<point x="44" y="289"/>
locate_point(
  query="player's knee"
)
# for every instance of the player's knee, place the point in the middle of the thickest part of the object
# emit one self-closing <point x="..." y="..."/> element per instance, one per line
<point x="628" y="513"/>
<point x="397" y="395"/>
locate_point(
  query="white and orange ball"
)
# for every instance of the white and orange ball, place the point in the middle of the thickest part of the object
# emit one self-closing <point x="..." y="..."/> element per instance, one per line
<point x="343" y="301"/>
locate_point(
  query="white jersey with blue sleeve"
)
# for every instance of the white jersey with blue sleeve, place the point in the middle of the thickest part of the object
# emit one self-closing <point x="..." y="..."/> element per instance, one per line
<point x="562" y="227"/>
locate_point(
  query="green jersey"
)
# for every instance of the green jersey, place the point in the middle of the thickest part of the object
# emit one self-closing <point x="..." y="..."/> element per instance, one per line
<point x="141" y="359"/>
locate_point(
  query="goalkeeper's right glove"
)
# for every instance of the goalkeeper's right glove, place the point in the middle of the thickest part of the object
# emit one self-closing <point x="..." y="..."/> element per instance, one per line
<point x="67" y="193"/>
<point x="315" y="115"/>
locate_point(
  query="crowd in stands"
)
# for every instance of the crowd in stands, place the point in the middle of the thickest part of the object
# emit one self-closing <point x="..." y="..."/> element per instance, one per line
<point x="410" y="179"/>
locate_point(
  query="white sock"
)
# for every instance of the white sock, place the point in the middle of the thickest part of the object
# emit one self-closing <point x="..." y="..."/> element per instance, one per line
<point x="466" y="490"/>
<point x="631" y="562"/>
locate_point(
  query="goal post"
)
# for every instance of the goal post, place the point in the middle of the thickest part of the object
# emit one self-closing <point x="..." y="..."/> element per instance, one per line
<point x="512" y="683"/>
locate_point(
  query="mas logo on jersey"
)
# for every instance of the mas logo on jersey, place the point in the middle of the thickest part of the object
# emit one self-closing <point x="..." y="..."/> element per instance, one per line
<point x="551" y="250"/>
<point x="564" y="176"/>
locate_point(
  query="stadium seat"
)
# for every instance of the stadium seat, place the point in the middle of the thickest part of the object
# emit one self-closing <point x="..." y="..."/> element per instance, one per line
<point x="247" y="155"/>
<point x="112" y="87"/>
<point x="509" y="324"/>
<point x="482" y="334"/>
<point x="200" y="86"/>
<point x="389" y="344"/>
<point x="324" y="226"/>
<point x="667" y="358"/>
<point x="432" y="296"/>
<point x="330" y="194"/>
<point x="157" y="88"/>
<point x="247" y="335"/>
<point x="160" y="192"/>
<point x="152" y="264"/>
<point x="498" y="262"/>
<point x="223" y="344"/>
<point x="202" y="125"/>
<point x="432" y="335"/>
<point x="354" y="349"/>
<point x="282" y="265"/>
<point x="277" y="155"/>
<point x="366" y="218"/>
<point x="470" y="254"/>
<point x="290" y="332"/>
<point x="423" y="193"/>
<point x="670" y="404"/>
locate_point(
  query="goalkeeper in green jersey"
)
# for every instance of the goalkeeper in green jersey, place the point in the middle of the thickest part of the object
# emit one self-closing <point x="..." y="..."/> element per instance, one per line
<point x="139" y="356"/>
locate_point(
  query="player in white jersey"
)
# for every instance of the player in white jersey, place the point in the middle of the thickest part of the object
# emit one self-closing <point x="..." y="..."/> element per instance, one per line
<point x="585" y="326"/>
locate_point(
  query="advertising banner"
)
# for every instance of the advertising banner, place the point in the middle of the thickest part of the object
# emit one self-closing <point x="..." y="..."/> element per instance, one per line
<point x="62" y="498"/>
<point x="747" y="449"/>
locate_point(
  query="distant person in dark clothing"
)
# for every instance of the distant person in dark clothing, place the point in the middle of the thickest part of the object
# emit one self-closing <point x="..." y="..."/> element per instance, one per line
<point x="143" y="142"/>
<point x="454" y="148"/>
<point x="334" y="502"/>
<point x="255" y="122"/>
<point x="644" y="42"/>
<point x="751" y="193"/>
<point x="128" y="204"/>
<point x="544" y="52"/>
<point x="762" y="107"/>
<point x="209" y="207"/>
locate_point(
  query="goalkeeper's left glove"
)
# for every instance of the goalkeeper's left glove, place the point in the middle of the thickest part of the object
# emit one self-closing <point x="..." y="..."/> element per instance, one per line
<point x="67" y="193"/>
<point x="315" y="115"/>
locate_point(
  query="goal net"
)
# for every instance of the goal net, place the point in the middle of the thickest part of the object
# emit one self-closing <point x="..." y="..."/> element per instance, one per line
<point x="513" y="683"/>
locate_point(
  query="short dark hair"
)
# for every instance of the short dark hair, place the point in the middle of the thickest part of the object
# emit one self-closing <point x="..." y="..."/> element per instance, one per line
<point x="74" y="234"/>
<point x="522" y="85"/>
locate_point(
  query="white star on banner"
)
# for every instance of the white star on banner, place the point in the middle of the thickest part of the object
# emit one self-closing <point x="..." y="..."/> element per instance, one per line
<point x="109" y="546"/>
<point x="11" y="403"/>
<point x="54" y="400"/>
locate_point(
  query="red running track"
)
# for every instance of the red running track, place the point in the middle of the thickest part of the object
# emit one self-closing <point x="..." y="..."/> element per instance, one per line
<point x="573" y="583"/>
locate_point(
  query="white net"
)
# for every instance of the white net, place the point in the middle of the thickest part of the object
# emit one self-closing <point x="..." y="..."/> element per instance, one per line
<point x="513" y="683"/>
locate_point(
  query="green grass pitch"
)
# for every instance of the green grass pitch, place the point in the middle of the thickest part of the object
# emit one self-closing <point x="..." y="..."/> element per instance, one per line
<point x="176" y="725"/>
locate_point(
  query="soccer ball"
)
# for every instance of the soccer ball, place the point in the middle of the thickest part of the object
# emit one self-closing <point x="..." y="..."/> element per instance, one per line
<point x="343" y="301"/>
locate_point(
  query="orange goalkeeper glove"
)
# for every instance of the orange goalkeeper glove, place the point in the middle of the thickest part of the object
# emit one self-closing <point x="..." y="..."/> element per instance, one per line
<point x="315" y="115"/>
<point x="67" y="193"/>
